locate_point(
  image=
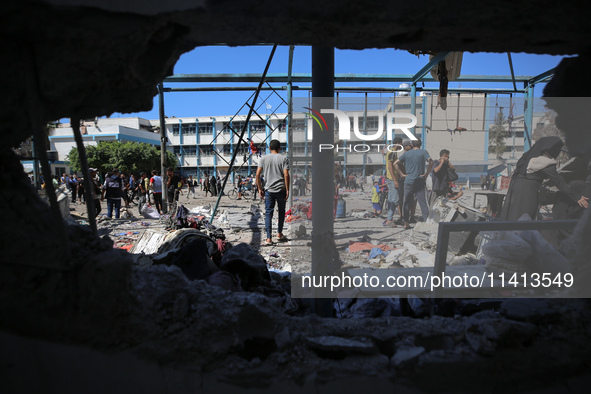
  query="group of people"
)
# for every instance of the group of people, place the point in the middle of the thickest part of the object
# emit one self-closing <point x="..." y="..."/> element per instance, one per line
<point x="405" y="180"/>
<point x="488" y="182"/>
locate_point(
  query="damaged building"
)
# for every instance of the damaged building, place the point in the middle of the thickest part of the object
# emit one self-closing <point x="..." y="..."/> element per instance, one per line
<point x="79" y="315"/>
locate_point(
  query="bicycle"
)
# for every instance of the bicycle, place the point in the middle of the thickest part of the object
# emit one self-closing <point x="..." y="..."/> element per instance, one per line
<point x="233" y="194"/>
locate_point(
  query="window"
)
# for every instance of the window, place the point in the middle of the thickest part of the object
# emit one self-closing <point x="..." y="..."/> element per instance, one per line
<point x="418" y="105"/>
<point x="176" y="150"/>
<point x="257" y="126"/>
<point x="237" y="126"/>
<point x="299" y="149"/>
<point x="372" y="123"/>
<point x="519" y="134"/>
<point x="539" y="125"/>
<point x="190" y="150"/>
<point x="298" y="124"/>
<point x="205" y="150"/>
<point x="188" y="128"/>
<point x="205" y="128"/>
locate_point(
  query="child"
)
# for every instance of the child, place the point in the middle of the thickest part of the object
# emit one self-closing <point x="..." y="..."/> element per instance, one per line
<point x="375" y="198"/>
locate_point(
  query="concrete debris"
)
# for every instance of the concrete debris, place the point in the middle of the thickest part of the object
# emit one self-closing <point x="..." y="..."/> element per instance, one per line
<point x="404" y="357"/>
<point x="345" y="345"/>
<point x="247" y="264"/>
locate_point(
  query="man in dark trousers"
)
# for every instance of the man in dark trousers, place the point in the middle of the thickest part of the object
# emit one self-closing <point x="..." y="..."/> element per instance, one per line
<point x="414" y="179"/>
<point x="276" y="190"/>
<point x="173" y="185"/>
<point x="439" y="175"/>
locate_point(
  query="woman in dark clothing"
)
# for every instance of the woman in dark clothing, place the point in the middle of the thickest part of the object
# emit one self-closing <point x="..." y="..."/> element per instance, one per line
<point x="537" y="164"/>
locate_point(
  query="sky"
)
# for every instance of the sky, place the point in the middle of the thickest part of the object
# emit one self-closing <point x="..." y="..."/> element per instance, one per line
<point x="221" y="59"/>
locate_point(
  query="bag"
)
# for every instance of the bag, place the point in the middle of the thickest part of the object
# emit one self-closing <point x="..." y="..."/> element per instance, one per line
<point x="451" y="175"/>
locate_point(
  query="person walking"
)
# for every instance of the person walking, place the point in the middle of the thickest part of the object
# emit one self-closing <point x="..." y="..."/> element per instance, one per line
<point x="142" y="191"/>
<point x="213" y="186"/>
<point x="414" y="179"/>
<point x="173" y="186"/>
<point x="275" y="168"/>
<point x="156" y="188"/>
<point x="392" y="177"/>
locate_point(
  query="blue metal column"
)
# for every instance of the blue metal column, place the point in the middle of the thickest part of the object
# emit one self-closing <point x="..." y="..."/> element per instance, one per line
<point x="215" y="156"/>
<point x="306" y="149"/>
<point x="267" y="133"/>
<point x="197" y="153"/>
<point x="424" y="129"/>
<point x="413" y="103"/>
<point x="249" y="137"/>
<point x="486" y="125"/>
<point x="232" y="146"/>
<point x="365" y="133"/>
<point x="181" y="147"/>
<point x="528" y="117"/>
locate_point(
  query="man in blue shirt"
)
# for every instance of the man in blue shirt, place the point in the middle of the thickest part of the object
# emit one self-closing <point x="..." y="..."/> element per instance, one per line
<point x="414" y="179"/>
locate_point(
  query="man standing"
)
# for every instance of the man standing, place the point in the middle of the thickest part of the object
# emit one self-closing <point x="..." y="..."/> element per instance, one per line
<point x="191" y="185"/>
<point x="142" y="191"/>
<point x="439" y="175"/>
<point x="275" y="167"/>
<point x="156" y="186"/>
<point x="113" y="188"/>
<point x="174" y="184"/>
<point x="95" y="191"/>
<point x="213" y="188"/>
<point x="414" y="178"/>
<point x="392" y="181"/>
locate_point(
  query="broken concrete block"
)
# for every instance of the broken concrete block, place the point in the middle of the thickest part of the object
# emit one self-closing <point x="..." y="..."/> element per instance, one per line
<point x="528" y="310"/>
<point x="405" y="356"/>
<point x="338" y="344"/>
<point x="245" y="262"/>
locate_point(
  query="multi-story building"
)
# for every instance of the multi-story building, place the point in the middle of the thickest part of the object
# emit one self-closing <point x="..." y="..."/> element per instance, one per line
<point x="207" y="144"/>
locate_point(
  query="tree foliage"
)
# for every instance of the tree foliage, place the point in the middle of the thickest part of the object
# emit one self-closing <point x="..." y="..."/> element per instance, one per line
<point x="128" y="157"/>
<point x="497" y="134"/>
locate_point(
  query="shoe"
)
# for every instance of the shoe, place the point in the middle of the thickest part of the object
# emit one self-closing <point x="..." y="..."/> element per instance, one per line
<point x="282" y="238"/>
<point x="269" y="242"/>
<point x="406" y="226"/>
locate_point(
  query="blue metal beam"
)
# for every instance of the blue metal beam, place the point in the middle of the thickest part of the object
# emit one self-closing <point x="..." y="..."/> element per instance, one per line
<point x="541" y="77"/>
<point x="429" y="66"/>
<point x="305" y="77"/>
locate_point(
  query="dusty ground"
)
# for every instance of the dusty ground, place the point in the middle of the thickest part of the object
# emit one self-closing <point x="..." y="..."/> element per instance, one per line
<point x="294" y="256"/>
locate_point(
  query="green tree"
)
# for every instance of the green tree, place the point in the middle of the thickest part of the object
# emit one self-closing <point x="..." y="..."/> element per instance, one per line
<point x="497" y="134"/>
<point x="128" y="157"/>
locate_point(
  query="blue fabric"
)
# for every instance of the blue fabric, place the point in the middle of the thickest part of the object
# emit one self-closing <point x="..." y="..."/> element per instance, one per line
<point x="418" y="189"/>
<point x="270" y="199"/>
<point x="375" y="252"/>
<point x="414" y="161"/>
<point x="392" y="199"/>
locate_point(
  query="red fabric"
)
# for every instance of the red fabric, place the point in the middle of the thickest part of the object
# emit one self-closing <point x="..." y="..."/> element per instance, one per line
<point x="360" y="246"/>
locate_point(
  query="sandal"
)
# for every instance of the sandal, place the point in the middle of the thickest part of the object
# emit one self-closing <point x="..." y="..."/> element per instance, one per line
<point x="283" y="238"/>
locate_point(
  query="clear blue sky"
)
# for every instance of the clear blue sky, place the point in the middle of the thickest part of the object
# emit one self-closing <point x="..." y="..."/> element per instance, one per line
<point x="220" y="59"/>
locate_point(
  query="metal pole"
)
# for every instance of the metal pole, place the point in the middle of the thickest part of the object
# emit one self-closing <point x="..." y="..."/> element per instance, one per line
<point x="288" y="132"/>
<point x="84" y="164"/>
<point x="413" y="102"/>
<point x="322" y="176"/>
<point x="163" y="139"/>
<point x="244" y="128"/>
<point x="528" y="117"/>
<point x="364" y="133"/>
